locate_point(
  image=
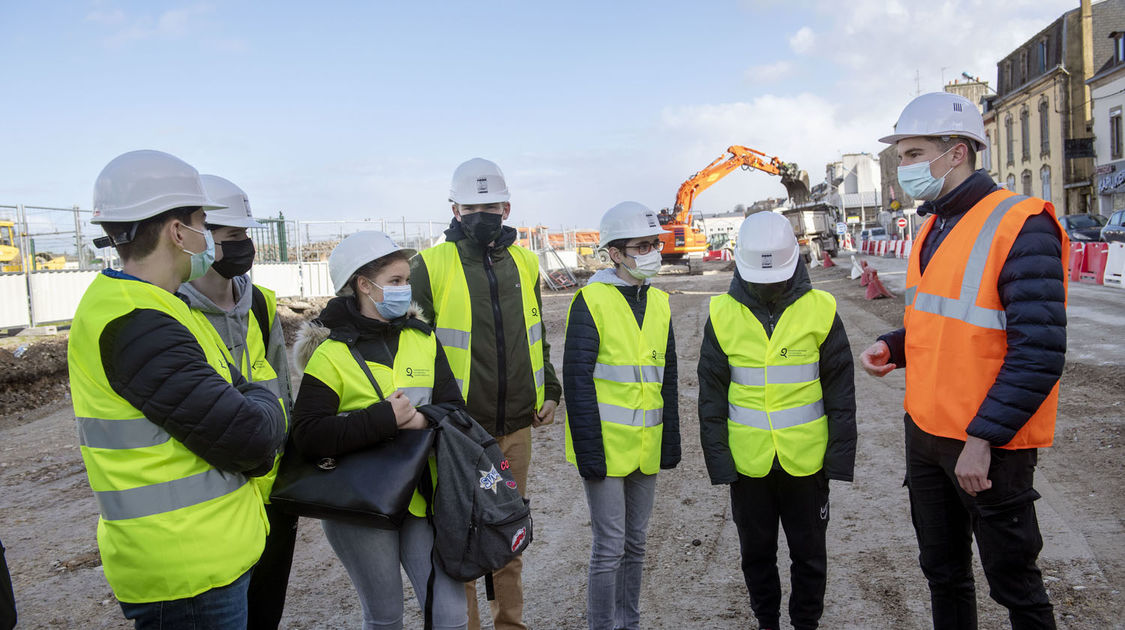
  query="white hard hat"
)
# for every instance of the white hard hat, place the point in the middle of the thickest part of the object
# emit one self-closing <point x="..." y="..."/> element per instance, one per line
<point x="628" y="219"/>
<point x="940" y="114"/>
<point x="141" y="184"/>
<point x="237" y="211"/>
<point x="767" y="250"/>
<point x="478" y="181"/>
<point x="356" y="251"/>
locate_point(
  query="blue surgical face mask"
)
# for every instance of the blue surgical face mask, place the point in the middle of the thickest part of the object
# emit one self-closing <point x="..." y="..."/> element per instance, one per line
<point x="396" y="301"/>
<point x="918" y="182"/>
<point x="201" y="261"/>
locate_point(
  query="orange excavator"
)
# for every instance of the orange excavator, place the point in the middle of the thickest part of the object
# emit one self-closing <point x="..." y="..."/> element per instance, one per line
<point x="684" y="243"/>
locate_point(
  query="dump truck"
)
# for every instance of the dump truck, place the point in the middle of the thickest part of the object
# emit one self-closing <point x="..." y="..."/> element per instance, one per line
<point x="814" y="225"/>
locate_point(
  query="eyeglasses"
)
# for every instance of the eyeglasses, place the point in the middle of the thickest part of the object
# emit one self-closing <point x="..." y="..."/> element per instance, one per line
<point x="644" y="248"/>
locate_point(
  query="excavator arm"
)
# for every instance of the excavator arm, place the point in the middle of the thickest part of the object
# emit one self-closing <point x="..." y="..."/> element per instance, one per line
<point x="796" y="182"/>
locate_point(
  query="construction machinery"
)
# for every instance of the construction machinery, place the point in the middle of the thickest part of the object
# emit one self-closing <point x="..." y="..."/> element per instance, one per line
<point x="683" y="242"/>
<point x="12" y="261"/>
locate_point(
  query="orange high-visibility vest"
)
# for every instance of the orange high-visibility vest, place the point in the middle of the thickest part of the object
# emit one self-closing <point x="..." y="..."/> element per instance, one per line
<point x="956" y="328"/>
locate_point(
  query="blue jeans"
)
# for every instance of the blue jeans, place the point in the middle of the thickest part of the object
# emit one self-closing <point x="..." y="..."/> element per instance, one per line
<point x="222" y="608"/>
<point x="372" y="557"/>
<point x="619" y="511"/>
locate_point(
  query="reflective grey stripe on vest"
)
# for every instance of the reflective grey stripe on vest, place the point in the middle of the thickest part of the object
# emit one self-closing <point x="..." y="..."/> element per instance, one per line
<point x="120" y="434"/>
<point x="540" y="377"/>
<point x="117" y="505"/>
<point x="964" y="308"/>
<point x="630" y="417"/>
<point x="453" y="338"/>
<point x="535" y="332"/>
<point x="781" y="419"/>
<point x="777" y="374"/>
<point x="629" y="373"/>
<point x="270" y="384"/>
<point x="419" y="395"/>
<point x="460" y="384"/>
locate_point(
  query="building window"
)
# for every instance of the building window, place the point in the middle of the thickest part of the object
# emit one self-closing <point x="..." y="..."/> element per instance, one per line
<point x="1115" y="134"/>
<point x="1025" y="180"/>
<point x="1025" y="134"/>
<point x="1044" y="128"/>
<point x="1045" y="181"/>
<point x="1041" y="56"/>
<point x="1119" y="47"/>
<point x="1023" y="67"/>
<point x="1008" y="136"/>
<point x="986" y="159"/>
<point x="1010" y="183"/>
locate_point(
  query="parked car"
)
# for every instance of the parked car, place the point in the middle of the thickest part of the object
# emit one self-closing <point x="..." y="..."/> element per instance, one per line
<point x="874" y="234"/>
<point x="1083" y="227"/>
<point x="1115" y="229"/>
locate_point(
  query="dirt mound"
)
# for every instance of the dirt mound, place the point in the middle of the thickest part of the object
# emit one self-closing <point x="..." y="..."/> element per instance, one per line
<point x="294" y="312"/>
<point x="36" y="377"/>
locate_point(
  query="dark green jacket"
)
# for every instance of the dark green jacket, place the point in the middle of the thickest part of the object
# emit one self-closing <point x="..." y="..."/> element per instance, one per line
<point x="501" y="412"/>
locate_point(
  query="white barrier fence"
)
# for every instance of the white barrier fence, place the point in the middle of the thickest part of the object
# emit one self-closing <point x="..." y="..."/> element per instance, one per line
<point x="54" y="295"/>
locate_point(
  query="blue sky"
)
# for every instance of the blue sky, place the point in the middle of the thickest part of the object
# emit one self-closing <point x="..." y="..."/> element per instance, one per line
<point x="363" y="109"/>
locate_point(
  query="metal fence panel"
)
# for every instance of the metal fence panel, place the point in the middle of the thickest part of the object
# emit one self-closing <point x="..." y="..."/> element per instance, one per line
<point x="13" y="301"/>
<point x="56" y="294"/>
<point x="315" y="280"/>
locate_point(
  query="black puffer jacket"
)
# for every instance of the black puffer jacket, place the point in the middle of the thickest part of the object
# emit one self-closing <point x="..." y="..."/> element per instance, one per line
<point x="836" y="381"/>
<point x="501" y="364"/>
<point x="1033" y="291"/>
<point x="157" y="365"/>
<point x="318" y="429"/>
<point x="580" y="354"/>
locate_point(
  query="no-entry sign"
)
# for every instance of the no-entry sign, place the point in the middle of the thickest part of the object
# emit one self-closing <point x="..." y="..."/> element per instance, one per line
<point x="901" y="222"/>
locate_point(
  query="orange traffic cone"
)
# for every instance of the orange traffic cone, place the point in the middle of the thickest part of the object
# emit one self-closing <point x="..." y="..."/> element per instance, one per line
<point x="875" y="288"/>
<point x="866" y="277"/>
<point x="828" y="261"/>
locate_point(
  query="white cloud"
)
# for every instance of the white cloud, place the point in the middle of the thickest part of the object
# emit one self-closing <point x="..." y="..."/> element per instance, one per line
<point x="803" y="40"/>
<point x="805" y="128"/>
<point x="770" y="72"/>
<point x="172" y="23"/>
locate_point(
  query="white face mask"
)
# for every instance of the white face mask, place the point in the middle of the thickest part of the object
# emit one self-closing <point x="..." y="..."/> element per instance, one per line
<point x="648" y="265"/>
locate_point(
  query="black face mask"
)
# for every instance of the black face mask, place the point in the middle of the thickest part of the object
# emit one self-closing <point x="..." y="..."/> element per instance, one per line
<point x="238" y="258"/>
<point x="768" y="293"/>
<point x="482" y="227"/>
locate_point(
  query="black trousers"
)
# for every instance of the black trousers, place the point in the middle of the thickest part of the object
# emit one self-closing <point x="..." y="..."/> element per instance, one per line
<point x="801" y="504"/>
<point x="7" y="599"/>
<point x="1002" y="518"/>
<point x="265" y="599"/>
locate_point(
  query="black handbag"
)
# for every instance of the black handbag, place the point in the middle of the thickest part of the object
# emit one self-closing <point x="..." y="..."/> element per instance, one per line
<point x="369" y="487"/>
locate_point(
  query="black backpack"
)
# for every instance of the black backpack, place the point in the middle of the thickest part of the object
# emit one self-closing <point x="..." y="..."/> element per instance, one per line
<point x="481" y="520"/>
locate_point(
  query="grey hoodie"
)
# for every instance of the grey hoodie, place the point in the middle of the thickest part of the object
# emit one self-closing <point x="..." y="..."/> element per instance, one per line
<point x="233" y="326"/>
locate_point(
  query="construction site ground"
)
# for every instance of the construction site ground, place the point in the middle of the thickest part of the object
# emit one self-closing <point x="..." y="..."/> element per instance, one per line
<point x="692" y="577"/>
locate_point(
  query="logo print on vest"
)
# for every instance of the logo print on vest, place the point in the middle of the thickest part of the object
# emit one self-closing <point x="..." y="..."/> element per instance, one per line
<point x="489" y="478"/>
<point x="517" y="540"/>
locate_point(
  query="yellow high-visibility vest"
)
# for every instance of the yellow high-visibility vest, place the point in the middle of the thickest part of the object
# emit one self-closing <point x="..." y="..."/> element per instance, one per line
<point x="171" y="525"/>
<point x="454" y="312"/>
<point x="332" y="363"/>
<point x="775" y="402"/>
<point x="628" y="378"/>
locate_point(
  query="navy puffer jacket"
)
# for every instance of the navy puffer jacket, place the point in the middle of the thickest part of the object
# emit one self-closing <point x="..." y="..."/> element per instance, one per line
<point x="1033" y="291"/>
